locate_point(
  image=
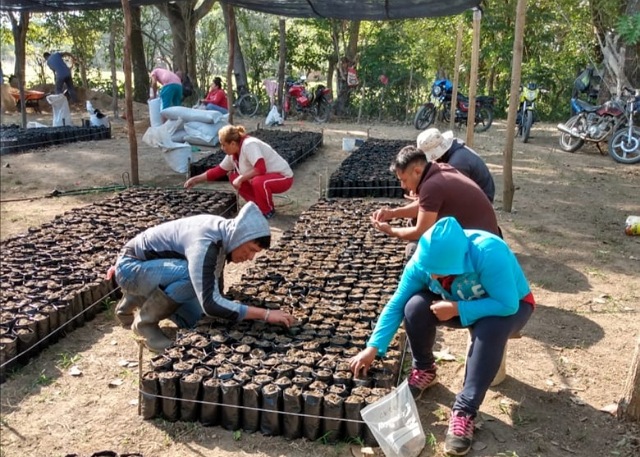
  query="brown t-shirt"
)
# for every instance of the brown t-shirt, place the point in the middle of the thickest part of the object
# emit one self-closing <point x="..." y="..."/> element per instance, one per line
<point x="447" y="192"/>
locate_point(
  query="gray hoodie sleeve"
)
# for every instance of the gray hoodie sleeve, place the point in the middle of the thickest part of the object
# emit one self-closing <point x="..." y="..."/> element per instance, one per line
<point x="203" y="258"/>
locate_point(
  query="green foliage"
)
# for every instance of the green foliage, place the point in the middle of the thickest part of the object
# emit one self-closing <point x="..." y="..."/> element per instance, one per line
<point x="629" y="29"/>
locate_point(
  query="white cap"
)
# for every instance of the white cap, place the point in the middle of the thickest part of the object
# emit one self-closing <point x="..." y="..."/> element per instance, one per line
<point x="433" y="143"/>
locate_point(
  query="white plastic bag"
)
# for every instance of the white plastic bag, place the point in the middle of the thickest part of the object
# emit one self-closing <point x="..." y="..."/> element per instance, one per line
<point x="178" y="158"/>
<point x="96" y="118"/>
<point x="61" y="111"/>
<point x="155" y="119"/>
<point x="177" y="155"/>
<point x="395" y="423"/>
<point x="273" y="118"/>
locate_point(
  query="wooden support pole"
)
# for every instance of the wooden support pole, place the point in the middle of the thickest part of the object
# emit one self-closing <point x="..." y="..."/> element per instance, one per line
<point x="456" y="76"/>
<point x="232" y="46"/>
<point x="128" y="94"/>
<point x="507" y="164"/>
<point x="473" y="76"/>
<point x="629" y="405"/>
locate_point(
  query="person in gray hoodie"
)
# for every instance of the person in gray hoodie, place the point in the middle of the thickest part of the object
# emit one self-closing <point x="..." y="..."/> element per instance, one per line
<point x="172" y="271"/>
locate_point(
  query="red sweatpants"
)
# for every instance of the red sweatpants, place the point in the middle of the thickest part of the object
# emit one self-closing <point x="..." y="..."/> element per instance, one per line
<point x="260" y="189"/>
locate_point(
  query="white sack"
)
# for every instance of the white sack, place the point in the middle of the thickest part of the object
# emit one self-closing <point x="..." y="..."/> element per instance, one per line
<point x="204" y="134"/>
<point x="177" y="155"/>
<point x="191" y="115"/>
<point x="61" y="111"/>
<point x="155" y="119"/>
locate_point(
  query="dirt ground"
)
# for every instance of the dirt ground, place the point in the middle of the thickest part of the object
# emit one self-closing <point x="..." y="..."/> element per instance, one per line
<point x="570" y="366"/>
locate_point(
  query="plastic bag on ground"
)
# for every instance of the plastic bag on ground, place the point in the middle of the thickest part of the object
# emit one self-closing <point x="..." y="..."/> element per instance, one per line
<point x="96" y="117"/>
<point x="395" y="423"/>
<point x="202" y="133"/>
<point x="61" y="111"/>
<point x="273" y="118"/>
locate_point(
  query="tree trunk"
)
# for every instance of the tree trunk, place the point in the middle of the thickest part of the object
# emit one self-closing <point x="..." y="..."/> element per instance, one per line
<point x="112" y="64"/>
<point x="183" y="18"/>
<point x="138" y="60"/>
<point x="629" y="405"/>
<point x="19" y="29"/>
<point x="349" y="59"/>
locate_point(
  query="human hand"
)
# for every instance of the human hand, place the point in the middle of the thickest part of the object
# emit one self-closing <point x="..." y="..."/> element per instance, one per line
<point x="411" y="196"/>
<point x="360" y="363"/>
<point x="190" y="183"/>
<point x="383" y="227"/>
<point x="381" y="215"/>
<point x="444" y="309"/>
<point x="276" y="316"/>
<point x="237" y="182"/>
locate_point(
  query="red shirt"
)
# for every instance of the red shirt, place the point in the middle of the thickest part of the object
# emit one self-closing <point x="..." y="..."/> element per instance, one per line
<point x="218" y="97"/>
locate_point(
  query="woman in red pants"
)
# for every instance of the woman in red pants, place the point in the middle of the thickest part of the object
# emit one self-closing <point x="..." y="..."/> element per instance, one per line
<point x="254" y="168"/>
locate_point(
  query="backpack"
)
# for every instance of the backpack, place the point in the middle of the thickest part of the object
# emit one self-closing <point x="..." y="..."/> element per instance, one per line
<point x="583" y="80"/>
<point x="187" y="86"/>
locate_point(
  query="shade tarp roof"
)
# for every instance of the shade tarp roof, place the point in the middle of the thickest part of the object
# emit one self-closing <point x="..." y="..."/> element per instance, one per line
<point x="373" y="10"/>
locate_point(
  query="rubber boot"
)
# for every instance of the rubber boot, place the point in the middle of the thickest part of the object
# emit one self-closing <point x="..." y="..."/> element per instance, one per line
<point x="157" y="307"/>
<point x="126" y="308"/>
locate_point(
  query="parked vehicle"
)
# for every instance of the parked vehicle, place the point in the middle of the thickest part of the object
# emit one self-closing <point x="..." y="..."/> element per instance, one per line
<point x="624" y="144"/>
<point x="527" y="110"/>
<point x="441" y="90"/>
<point x="316" y="102"/>
<point x="246" y="103"/>
<point x="440" y="102"/>
<point x="592" y="124"/>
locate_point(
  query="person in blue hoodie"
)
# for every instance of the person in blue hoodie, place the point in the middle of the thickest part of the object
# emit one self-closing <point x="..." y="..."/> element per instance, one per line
<point x="462" y="279"/>
<point x="172" y="271"/>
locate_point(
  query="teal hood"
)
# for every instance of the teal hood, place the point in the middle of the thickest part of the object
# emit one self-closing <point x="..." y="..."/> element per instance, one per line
<point x="443" y="248"/>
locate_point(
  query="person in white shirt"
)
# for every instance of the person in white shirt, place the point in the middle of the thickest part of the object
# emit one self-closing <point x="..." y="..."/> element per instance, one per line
<point x="254" y="168"/>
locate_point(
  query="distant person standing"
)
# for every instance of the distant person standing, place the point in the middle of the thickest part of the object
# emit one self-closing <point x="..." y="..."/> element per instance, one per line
<point x="171" y="91"/>
<point x="62" y="72"/>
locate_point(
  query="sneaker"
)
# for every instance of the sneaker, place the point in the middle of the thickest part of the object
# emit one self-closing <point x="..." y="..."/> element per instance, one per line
<point x="270" y="214"/>
<point x="421" y="379"/>
<point x="460" y="434"/>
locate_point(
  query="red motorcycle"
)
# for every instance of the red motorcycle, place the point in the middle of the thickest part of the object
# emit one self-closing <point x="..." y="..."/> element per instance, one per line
<point x="316" y="102"/>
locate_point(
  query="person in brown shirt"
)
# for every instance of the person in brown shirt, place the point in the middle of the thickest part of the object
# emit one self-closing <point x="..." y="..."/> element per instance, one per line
<point x="441" y="191"/>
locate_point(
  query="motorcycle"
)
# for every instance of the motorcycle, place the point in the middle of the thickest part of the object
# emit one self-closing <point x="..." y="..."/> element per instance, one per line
<point x="624" y="144"/>
<point x="526" y="110"/>
<point x="426" y="115"/>
<point x="440" y="100"/>
<point x="316" y="102"/>
<point x="593" y="123"/>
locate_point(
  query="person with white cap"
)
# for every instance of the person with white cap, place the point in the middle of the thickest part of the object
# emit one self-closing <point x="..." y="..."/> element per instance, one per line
<point x="172" y="271"/>
<point x="443" y="147"/>
<point x="441" y="191"/>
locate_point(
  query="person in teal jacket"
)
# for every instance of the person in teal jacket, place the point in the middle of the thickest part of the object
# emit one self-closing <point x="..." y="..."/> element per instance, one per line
<point x="462" y="279"/>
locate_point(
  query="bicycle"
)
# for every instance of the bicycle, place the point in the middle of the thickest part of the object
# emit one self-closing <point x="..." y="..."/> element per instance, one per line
<point x="246" y="103"/>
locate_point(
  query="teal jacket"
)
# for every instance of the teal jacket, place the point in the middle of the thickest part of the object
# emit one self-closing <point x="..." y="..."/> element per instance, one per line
<point x="488" y="280"/>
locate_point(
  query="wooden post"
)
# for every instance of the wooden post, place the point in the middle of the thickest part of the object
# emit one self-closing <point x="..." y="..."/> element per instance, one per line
<point x="473" y="76"/>
<point x="629" y="405"/>
<point x="128" y="94"/>
<point x="507" y="164"/>
<point x="281" y="64"/>
<point x="456" y="76"/>
<point x="232" y="44"/>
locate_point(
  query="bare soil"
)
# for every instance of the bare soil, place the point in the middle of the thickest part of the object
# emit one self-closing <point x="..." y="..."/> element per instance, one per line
<point x="566" y="226"/>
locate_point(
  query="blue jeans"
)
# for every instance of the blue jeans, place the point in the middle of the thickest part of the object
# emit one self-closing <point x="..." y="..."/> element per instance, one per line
<point x="489" y="337"/>
<point x="141" y="277"/>
<point x="220" y="109"/>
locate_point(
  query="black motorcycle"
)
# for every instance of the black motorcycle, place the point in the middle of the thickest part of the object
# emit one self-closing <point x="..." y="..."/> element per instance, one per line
<point x="440" y="102"/>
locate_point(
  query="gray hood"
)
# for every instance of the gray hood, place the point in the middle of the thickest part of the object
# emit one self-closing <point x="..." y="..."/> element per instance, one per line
<point x="248" y="225"/>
